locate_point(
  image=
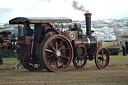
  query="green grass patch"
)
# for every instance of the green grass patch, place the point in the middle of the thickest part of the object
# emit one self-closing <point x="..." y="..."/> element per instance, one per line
<point x="10" y="59"/>
<point x="118" y="57"/>
<point x="112" y="57"/>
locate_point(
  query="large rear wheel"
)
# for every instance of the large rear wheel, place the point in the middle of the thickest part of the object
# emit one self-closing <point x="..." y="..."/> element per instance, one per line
<point x="55" y="53"/>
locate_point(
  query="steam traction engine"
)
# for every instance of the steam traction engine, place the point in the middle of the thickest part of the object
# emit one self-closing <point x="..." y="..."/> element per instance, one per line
<point x="48" y="48"/>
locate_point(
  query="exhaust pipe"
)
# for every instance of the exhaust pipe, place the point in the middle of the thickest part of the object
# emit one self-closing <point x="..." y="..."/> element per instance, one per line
<point x="88" y="23"/>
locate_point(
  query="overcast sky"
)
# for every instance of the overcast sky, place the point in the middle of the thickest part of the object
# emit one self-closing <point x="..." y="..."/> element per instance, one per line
<point x="100" y="9"/>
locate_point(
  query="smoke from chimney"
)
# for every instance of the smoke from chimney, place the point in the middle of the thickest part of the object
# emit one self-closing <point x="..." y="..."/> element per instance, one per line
<point x="81" y="7"/>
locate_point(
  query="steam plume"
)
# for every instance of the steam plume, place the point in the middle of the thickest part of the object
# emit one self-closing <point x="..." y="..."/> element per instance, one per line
<point x="81" y="7"/>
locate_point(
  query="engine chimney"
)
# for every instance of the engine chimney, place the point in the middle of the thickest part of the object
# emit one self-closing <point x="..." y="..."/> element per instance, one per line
<point x="88" y="23"/>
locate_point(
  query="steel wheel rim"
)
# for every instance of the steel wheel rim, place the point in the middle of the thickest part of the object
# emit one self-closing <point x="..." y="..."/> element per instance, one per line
<point x="58" y="53"/>
<point x="31" y="64"/>
<point x="80" y="63"/>
<point x="50" y="33"/>
<point x="103" y="58"/>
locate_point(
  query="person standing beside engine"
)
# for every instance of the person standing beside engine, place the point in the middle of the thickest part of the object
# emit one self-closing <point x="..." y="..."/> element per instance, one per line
<point x="1" y="60"/>
<point x="126" y="46"/>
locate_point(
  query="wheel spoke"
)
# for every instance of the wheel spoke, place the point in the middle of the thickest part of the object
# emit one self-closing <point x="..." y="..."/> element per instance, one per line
<point x="102" y="62"/>
<point x="50" y="56"/>
<point x="64" y="49"/>
<point x="52" y="46"/>
<point x="61" y="44"/>
<point x="50" y="61"/>
<point x="65" y="57"/>
<point x="102" y="52"/>
<point x="63" y="52"/>
<point x="56" y="63"/>
<point x="49" y="50"/>
<point x="62" y="61"/>
<point x="56" y="44"/>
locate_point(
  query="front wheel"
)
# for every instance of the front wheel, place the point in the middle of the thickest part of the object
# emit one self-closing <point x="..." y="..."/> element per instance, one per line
<point x="80" y="58"/>
<point x="102" y="58"/>
<point x="79" y="63"/>
<point x="55" y="53"/>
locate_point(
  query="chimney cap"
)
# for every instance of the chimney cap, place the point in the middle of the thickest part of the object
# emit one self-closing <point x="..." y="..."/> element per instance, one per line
<point x="88" y="14"/>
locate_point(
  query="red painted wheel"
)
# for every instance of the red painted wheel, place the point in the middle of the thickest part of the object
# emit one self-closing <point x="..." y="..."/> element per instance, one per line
<point x="80" y="59"/>
<point x="55" y="53"/>
<point x="102" y="58"/>
<point x="49" y="33"/>
<point x="79" y="63"/>
<point x="46" y="34"/>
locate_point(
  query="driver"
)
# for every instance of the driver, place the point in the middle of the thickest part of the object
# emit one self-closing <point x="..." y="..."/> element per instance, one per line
<point x="75" y="28"/>
<point x="27" y="30"/>
<point x="1" y="60"/>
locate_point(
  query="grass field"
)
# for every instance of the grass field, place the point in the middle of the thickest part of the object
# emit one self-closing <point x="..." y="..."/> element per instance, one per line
<point x="10" y="59"/>
<point x="112" y="57"/>
<point x="118" y="57"/>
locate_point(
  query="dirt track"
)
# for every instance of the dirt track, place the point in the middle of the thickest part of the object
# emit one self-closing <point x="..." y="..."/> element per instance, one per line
<point x="115" y="74"/>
